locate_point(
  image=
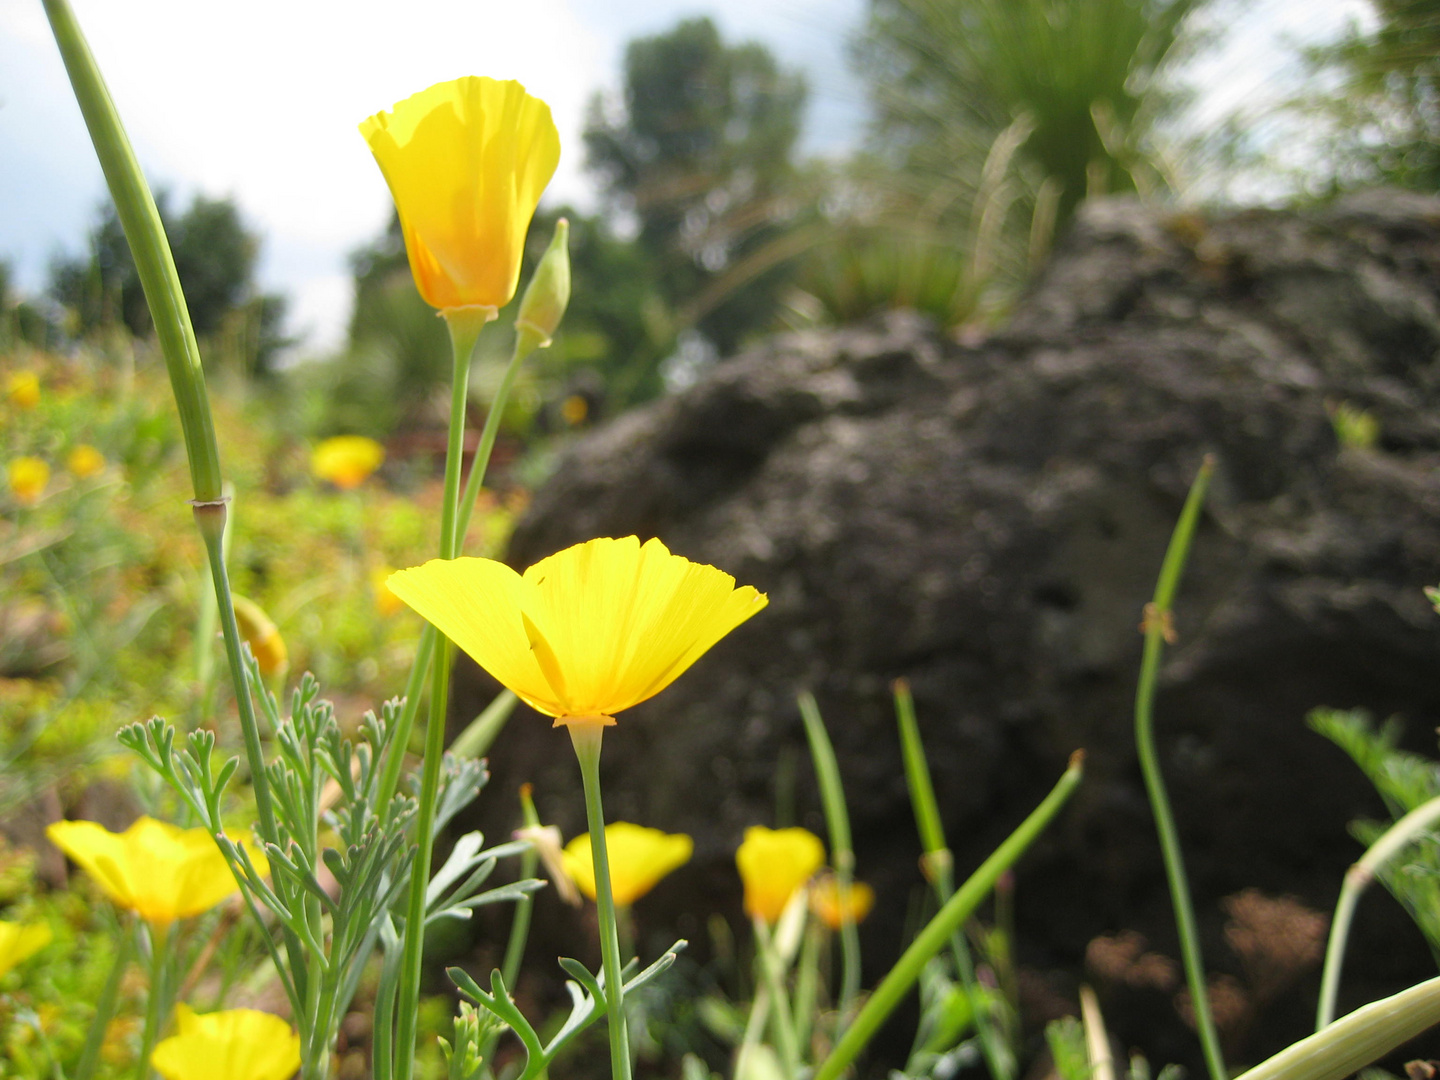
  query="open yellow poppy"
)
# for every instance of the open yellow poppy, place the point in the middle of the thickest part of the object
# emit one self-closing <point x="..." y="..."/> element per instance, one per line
<point x="466" y="162"/>
<point x="773" y="864"/>
<point x="831" y="904"/>
<point x="346" y="460"/>
<point x="158" y="870"/>
<point x="19" y="942"/>
<point x="639" y="859"/>
<point x="591" y="630"/>
<point x="237" y="1044"/>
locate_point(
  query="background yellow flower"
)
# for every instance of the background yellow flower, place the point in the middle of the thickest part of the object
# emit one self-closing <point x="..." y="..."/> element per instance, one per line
<point x="466" y="162"/>
<point x="84" y="460"/>
<point x="28" y="477"/>
<point x="159" y="870"/>
<point x="346" y="460"/>
<point x="23" y="389"/>
<point x="237" y="1044"/>
<point x="829" y="904"/>
<point x="639" y="858"/>
<point x="773" y="863"/>
<point x="19" y="942"/>
<point x="590" y="631"/>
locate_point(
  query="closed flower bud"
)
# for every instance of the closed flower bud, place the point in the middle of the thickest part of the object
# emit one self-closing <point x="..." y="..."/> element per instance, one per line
<point x="548" y="294"/>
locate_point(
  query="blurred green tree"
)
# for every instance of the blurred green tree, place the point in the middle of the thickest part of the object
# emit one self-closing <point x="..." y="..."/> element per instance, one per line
<point x="215" y="257"/>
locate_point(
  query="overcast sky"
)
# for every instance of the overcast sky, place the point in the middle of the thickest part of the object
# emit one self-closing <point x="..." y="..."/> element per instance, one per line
<point x="259" y="101"/>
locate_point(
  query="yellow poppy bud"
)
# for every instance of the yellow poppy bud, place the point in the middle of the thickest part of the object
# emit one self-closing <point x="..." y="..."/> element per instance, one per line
<point x="548" y="294"/>
<point x="466" y="162"/>
<point x="29" y="477"/>
<point x="386" y="602"/>
<point x="546" y="839"/>
<point x="237" y="1044"/>
<point x="639" y="859"/>
<point x="773" y="864"/>
<point x="829" y="906"/>
<point x="23" y="389"/>
<point x="261" y="635"/>
<point x="158" y="870"/>
<point x="346" y="460"/>
<point x="84" y="461"/>
<point x="19" y="942"/>
<point x="590" y="631"/>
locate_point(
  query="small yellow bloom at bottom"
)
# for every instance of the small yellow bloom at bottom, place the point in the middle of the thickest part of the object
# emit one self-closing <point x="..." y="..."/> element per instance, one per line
<point x="28" y="477"/>
<point x="84" y="461"/>
<point x="19" y="942"/>
<point x="237" y="1044"/>
<point x="829" y="903"/>
<point x="773" y="863"/>
<point x="639" y="858"/>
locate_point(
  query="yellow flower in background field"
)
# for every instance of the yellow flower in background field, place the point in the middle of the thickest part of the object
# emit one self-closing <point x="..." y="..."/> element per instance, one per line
<point x="590" y="631"/>
<point x="773" y="863"/>
<point x="639" y="858"/>
<point x="346" y="460"/>
<point x="19" y="942"/>
<point x="466" y="162"/>
<point x="829" y="907"/>
<point x="261" y="635"/>
<point x="84" y="461"/>
<point x="386" y="602"/>
<point x="29" y="476"/>
<point x="23" y="389"/>
<point x="237" y="1044"/>
<point x="159" y="870"/>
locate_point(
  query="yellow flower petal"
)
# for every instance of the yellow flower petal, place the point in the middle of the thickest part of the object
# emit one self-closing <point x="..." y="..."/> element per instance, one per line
<point x="262" y="635"/>
<point x="346" y="460"/>
<point x="28" y="478"/>
<point x="590" y="631"/>
<point x="466" y="162"/>
<point x="237" y="1044"/>
<point x="773" y="863"/>
<point x="84" y="461"/>
<point x="159" y="870"/>
<point x="639" y="858"/>
<point x="19" y="942"/>
<point x="23" y="389"/>
<point x="829" y="908"/>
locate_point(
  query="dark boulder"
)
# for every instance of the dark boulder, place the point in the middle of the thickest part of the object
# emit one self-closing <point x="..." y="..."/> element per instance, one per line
<point x="987" y="519"/>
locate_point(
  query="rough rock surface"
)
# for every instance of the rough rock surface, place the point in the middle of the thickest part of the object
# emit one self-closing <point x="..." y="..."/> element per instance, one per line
<point x="987" y="520"/>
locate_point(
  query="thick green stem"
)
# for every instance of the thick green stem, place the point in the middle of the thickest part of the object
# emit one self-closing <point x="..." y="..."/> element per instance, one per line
<point x="105" y="1006"/>
<point x="586" y="738"/>
<point x="525" y="344"/>
<point x="465" y="326"/>
<point x="157" y="1005"/>
<point x="1158" y="628"/>
<point x="398" y="741"/>
<point x="937" y="932"/>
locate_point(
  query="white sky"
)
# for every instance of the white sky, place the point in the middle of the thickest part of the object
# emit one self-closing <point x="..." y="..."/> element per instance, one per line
<point x="259" y="101"/>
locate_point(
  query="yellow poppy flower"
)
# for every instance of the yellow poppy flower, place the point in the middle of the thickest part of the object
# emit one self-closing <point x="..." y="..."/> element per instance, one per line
<point x="19" y="942"/>
<point x="237" y="1044"/>
<point x="829" y="908"/>
<point x="23" y="389"/>
<point x="466" y="162"/>
<point x="159" y="870"/>
<point x="773" y="863"/>
<point x="261" y="635"/>
<point x="590" y="631"/>
<point x="28" y="477"/>
<point x="84" y="461"/>
<point x="639" y="858"/>
<point x="386" y="602"/>
<point x="346" y="460"/>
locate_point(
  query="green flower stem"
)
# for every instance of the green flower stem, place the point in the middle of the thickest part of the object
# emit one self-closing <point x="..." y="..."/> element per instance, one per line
<point x="586" y="739"/>
<point x="398" y="741"/>
<point x="1157" y="627"/>
<point x="1356" y="1040"/>
<point x="842" y="852"/>
<point x="1357" y="880"/>
<point x="525" y="343"/>
<point x="465" y="325"/>
<point x="936" y="934"/>
<point x="157" y="1005"/>
<point x="939" y="867"/>
<point x="520" y="924"/>
<point x="782" y="1020"/>
<point x="105" y="1006"/>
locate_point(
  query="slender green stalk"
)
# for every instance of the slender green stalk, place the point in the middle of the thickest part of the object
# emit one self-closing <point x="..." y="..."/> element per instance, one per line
<point x="1354" y="1041"/>
<point x="520" y="923"/>
<point x="936" y="934"/>
<point x="157" y="1004"/>
<point x="842" y="852"/>
<point x="105" y="1006"/>
<point x="586" y="739"/>
<point x="465" y="325"/>
<point x="1158" y="628"/>
<point x="398" y="741"/>
<point x="525" y="344"/>
<point x="1357" y="880"/>
<point x="940" y="869"/>
<point x="782" y="1020"/>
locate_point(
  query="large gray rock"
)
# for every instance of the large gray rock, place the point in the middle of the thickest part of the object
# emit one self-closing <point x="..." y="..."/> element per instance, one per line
<point x="987" y="520"/>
